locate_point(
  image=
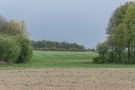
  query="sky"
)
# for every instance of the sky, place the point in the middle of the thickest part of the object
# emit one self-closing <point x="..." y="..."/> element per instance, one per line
<point x="80" y="21"/>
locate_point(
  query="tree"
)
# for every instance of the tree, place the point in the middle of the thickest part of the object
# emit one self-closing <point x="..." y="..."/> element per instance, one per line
<point x="56" y="46"/>
<point x="121" y="36"/>
<point x="15" y="46"/>
<point x="16" y="28"/>
<point x="3" y="24"/>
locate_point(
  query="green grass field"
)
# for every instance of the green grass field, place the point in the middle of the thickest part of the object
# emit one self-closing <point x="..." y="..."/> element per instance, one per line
<point x="51" y="59"/>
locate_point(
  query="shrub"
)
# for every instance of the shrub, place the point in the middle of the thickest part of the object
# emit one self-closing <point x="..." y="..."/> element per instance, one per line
<point x="25" y="49"/>
<point x="15" y="47"/>
<point x="99" y="60"/>
<point x="9" y="50"/>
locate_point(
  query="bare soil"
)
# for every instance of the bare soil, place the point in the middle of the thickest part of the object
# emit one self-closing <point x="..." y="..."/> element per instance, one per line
<point x="68" y="79"/>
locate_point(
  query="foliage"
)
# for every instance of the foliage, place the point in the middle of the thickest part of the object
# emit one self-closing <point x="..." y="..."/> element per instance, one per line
<point x="12" y="27"/>
<point x="16" y="28"/>
<point x="15" y="47"/>
<point x="9" y="50"/>
<point x="25" y="49"/>
<point x="120" y="45"/>
<point x="56" y="46"/>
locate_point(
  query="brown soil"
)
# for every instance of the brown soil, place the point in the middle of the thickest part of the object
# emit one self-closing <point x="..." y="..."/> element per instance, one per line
<point x="68" y="79"/>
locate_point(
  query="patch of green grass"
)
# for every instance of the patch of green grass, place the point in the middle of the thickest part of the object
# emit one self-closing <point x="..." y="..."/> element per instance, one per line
<point x="61" y="59"/>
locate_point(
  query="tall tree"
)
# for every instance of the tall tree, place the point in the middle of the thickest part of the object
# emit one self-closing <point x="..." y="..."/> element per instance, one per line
<point x="121" y="35"/>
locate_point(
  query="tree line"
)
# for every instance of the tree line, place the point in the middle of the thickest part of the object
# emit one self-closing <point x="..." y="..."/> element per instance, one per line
<point x="120" y="44"/>
<point x="15" y="46"/>
<point x="45" y="45"/>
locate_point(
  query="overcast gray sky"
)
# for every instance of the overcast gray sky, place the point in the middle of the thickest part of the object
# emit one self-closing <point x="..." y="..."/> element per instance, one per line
<point x="81" y="21"/>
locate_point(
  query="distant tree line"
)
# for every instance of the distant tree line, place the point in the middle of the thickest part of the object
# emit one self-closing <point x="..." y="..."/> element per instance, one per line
<point x="45" y="45"/>
<point x="120" y="44"/>
<point x="15" y="46"/>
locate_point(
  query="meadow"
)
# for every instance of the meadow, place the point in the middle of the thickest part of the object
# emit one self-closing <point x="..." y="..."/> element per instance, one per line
<point x="63" y="59"/>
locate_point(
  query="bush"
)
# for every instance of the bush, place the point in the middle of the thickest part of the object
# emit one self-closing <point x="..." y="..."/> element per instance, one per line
<point x="99" y="60"/>
<point x="9" y="50"/>
<point x="25" y="49"/>
<point x="15" y="49"/>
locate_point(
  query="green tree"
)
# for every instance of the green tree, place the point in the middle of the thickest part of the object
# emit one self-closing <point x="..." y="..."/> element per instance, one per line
<point x="121" y="36"/>
<point x="15" y="46"/>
